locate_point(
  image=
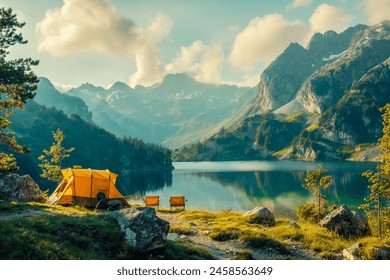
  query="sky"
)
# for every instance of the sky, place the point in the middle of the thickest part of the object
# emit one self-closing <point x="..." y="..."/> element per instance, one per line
<point x="140" y="42"/>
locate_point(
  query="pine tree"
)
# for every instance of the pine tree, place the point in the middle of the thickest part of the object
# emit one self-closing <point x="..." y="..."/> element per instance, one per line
<point x="17" y="85"/>
<point x="315" y="180"/>
<point x="52" y="160"/>
<point x="377" y="203"/>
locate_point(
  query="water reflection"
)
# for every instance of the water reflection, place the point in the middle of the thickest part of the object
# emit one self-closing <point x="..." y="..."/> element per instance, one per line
<point x="240" y="186"/>
<point x="139" y="183"/>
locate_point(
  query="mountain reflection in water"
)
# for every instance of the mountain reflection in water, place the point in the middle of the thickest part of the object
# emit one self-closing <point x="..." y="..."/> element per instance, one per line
<point x="241" y="186"/>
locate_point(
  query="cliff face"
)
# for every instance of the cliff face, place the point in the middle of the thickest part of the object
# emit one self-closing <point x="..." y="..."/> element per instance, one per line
<point x="328" y="84"/>
<point x="356" y="118"/>
<point x="280" y="82"/>
<point x="338" y="83"/>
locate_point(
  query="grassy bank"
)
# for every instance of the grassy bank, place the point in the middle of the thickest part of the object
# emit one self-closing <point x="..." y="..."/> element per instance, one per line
<point x="55" y="232"/>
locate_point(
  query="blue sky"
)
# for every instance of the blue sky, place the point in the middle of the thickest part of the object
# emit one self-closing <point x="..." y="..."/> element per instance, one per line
<point x="139" y="42"/>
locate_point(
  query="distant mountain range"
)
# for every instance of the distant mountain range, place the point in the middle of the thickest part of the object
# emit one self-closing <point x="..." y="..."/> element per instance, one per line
<point x="318" y="102"/>
<point x="176" y="112"/>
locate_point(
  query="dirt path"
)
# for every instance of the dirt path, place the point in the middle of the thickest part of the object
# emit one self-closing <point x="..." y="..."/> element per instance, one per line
<point x="228" y="249"/>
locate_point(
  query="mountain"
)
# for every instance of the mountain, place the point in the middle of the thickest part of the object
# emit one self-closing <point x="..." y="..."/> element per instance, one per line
<point x="318" y="102"/>
<point x="178" y="111"/>
<point x="356" y="118"/>
<point x="94" y="147"/>
<point x="329" y="83"/>
<point x="49" y="96"/>
<point x="283" y="78"/>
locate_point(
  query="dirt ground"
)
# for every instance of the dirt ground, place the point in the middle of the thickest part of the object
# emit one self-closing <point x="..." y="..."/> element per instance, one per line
<point x="228" y="249"/>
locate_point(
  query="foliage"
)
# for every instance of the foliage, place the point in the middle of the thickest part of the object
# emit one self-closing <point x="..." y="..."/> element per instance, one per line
<point x="377" y="203"/>
<point x="52" y="160"/>
<point x="95" y="148"/>
<point x="256" y="137"/>
<point x="17" y="84"/>
<point x="242" y="255"/>
<point x="183" y="250"/>
<point x="61" y="237"/>
<point x="78" y="233"/>
<point x="181" y="229"/>
<point x="309" y="212"/>
<point x="315" y="181"/>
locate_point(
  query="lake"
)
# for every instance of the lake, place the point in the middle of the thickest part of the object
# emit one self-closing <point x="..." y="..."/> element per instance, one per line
<point x="243" y="185"/>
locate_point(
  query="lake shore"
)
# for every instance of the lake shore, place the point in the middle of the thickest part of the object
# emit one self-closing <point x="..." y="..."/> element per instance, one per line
<point x="198" y="234"/>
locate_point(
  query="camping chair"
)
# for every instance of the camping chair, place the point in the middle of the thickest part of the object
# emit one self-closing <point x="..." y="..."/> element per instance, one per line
<point x="178" y="201"/>
<point x="152" y="201"/>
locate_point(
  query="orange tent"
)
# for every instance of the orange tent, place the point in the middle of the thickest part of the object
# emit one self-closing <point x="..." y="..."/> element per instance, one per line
<point x="81" y="186"/>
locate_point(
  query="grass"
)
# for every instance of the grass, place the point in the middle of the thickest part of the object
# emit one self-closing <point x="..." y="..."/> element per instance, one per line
<point x="182" y="250"/>
<point x="33" y="206"/>
<point x="48" y="237"/>
<point x="78" y="233"/>
<point x="227" y="225"/>
<point x="74" y="233"/>
<point x="242" y="255"/>
<point x="182" y="229"/>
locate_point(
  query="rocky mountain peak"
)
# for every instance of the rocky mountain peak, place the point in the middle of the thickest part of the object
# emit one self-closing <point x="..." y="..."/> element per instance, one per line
<point x="331" y="43"/>
<point x="120" y="86"/>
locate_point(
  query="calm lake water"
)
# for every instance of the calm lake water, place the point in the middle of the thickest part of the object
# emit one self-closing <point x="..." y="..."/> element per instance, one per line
<point x="243" y="185"/>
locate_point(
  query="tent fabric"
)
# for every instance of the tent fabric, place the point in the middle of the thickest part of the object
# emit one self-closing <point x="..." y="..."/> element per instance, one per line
<point x="81" y="186"/>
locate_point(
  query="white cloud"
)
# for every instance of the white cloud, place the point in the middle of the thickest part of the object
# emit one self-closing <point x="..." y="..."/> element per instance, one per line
<point x="94" y="25"/>
<point x="150" y="68"/>
<point x="88" y="25"/>
<point x="62" y="87"/>
<point x="201" y="61"/>
<point x="377" y="10"/>
<point x="263" y="39"/>
<point x="327" y="17"/>
<point x="211" y="65"/>
<point x="299" y="3"/>
<point x="188" y="58"/>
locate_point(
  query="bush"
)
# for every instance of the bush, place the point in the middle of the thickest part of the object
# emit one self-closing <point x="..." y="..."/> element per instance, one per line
<point x="309" y="212"/>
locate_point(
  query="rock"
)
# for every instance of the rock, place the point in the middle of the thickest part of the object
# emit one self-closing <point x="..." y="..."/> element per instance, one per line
<point x="143" y="230"/>
<point x="346" y="223"/>
<point x="362" y="223"/>
<point x="20" y="189"/>
<point x="353" y="252"/>
<point x="261" y="215"/>
<point x="381" y="253"/>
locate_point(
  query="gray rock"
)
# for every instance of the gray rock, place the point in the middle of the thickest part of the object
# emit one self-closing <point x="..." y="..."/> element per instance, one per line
<point x="346" y="223"/>
<point x="142" y="229"/>
<point x="20" y="189"/>
<point x="381" y="253"/>
<point x="353" y="252"/>
<point x="261" y="215"/>
<point x="362" y="223"/>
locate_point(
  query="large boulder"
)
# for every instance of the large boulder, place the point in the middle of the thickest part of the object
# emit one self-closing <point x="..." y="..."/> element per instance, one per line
<point x="142" y="229"/>
<point x="20" y="189"/>
<point x="381" y="253"/>
<point x="261" y="215"/>
<point x="348" y="224"/>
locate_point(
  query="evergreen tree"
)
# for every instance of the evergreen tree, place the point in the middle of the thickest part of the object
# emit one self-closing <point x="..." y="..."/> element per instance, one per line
<point x="315" y="181"/>
<point x="52" y="160"/>
<point x="377" y="203"/>
<point x="17" y="85"/>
